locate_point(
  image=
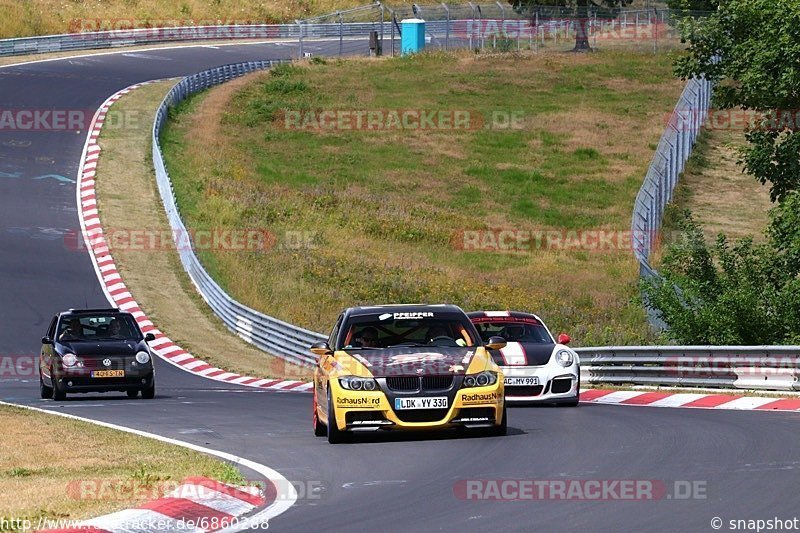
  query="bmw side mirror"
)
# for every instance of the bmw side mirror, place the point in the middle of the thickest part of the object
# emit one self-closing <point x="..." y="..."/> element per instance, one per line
<point x="47" y="340"/>
<point x="564" y="338"/>
<point x="321" y="348"/>
<point x="149" y="337"/>
<point x="496" y="343"/>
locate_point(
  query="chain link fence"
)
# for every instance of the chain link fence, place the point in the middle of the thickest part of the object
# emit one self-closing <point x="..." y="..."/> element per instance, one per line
<point x="498" y="26"/>
<point x="376" y="29"/>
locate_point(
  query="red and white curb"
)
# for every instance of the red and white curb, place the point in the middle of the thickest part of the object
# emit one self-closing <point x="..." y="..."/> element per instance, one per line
<point x="690" y="400"/>
<point x="198" y="505"/>
<point x="114" y="287"/>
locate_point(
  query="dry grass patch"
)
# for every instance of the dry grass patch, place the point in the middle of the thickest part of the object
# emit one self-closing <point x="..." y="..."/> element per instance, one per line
<point x="719" y="194"/>
<point x="43" y="457"/>
<point x="129" y="200"/>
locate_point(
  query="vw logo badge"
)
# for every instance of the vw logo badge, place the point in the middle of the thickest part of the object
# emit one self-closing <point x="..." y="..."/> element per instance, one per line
<point x="107" y="362"/>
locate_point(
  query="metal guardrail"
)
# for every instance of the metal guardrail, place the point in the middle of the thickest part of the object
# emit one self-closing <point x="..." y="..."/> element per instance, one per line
<point x="270" y="334"/>
<point x="775" y="368"/>
<point x="668" y="162"/>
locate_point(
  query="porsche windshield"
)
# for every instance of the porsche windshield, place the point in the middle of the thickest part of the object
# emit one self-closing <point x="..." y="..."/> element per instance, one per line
<point x="515" y="330"/>
<point x="89" y="328"/>
<point x="389" y="330"/>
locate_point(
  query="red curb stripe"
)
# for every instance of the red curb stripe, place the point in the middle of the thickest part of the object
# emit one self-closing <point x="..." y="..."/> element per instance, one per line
<point x="183" y="509"/>
<point x="593" y="394"/>
<point x="712" y="400"/>
<point x="269" y="384"/>
<point x="292" y="385"/>
<point x="197" y="369"/>
<point x="252" y="499"/>
<point x="784" y="404"/>
<point x="214" y="373"/>
<point x="646" y="398"/>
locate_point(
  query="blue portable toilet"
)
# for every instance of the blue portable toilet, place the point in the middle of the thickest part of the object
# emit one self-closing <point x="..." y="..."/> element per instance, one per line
<point x="413" y="38"/>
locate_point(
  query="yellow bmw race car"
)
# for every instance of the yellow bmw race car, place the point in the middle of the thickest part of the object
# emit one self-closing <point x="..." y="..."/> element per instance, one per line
<point x="406" y="367"/>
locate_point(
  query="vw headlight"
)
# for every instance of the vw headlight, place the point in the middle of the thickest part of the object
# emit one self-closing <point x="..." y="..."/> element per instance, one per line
<point x="69" y="360"/>
<point x="565" y="358"/>
<point x="356" y="383"/>
<point x="142" y="358"/>
<point x="483" y="379"/>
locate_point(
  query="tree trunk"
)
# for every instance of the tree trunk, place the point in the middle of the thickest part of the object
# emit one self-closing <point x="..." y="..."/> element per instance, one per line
<point x="582" y="29"/>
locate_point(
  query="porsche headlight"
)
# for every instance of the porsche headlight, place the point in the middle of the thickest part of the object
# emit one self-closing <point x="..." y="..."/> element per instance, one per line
<point x="565" y="358"/>
<point x="142" y="358"/>
<point x="357" y="383"/>
<point x="483" y="379"/>
<point x="69" y="360"/>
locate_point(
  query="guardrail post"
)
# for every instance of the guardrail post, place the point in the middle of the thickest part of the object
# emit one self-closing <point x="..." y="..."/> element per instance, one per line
<point x="502" y="22"/>
<point x="299" y="38"/>
<point x="383" y="18"/>
<point x="447" y="28"/>
<point x="472" y="26"/>
<point x="341" y="34"/>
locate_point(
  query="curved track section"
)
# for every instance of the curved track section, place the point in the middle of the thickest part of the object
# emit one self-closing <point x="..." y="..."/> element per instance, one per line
<point x="739" y="459"/>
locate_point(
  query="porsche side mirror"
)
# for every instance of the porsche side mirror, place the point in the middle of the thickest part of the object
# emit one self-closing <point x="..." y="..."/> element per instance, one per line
<point x="496" y="343"/>
<point x="47" y="340"/>
<point x="321" y="348"/>
<point x="149" y="337"/>
<point x="564" y="338"/>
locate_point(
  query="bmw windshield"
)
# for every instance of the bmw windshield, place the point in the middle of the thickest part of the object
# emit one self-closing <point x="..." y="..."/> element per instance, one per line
<point x="391" y="330"/>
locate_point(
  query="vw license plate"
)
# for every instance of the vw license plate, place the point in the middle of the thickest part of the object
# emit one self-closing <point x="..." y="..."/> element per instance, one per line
<point x="108" y="374"/>
<point x="523" y="382"/>
<point x="420" y="403"/>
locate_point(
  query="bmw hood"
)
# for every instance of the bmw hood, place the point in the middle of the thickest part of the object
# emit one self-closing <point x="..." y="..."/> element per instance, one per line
<point x="404" y="361"/>
<point x="523" y="354"/>
<point x="103" y="348"/>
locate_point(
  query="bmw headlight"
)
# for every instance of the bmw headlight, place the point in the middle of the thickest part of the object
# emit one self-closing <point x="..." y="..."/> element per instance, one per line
<point x="483" y="379"/>
<point x="142" y="358"/>
<point x="565" y="358"/>
<point x="357" y="383"/>
<point x="69" y="360"/>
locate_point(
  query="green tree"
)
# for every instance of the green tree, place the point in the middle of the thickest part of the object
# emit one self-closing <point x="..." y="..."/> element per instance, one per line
<point x="693" y="5"/>
<point x="580" y="9"/>
<point x="751" y="48"/>
<point x="743" y="293"/>
<point x="729" y="293"/>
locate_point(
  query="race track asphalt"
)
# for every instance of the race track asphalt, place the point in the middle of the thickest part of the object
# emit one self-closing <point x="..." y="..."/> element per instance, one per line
<point x="745" y="463"/>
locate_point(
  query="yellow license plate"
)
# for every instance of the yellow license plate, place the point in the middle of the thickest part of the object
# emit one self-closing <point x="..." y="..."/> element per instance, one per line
<point x="108" y="374"/>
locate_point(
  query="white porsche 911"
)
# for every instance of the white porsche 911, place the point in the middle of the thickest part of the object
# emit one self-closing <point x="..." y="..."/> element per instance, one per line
<point x="537" y="368"/>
